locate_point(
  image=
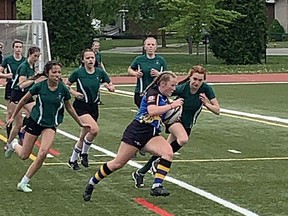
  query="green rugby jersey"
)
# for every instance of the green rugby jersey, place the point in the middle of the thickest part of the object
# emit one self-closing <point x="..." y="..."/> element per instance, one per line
<point x="11" y="64"/>
<point x="23" y="70"/>
<point x="98" y="58"/>
<point x="89" y="84"/>
<point x="145" y="65"/>
<point x="192" y="104"/>
<point x="49" y="108"/>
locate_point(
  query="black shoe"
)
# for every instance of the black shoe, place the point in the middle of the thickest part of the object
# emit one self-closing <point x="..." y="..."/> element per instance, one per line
<point x="159" y="191"/>
<point x="100" y="103"/>
<point x="73" y="165"/>
<point x="138" y="179"/>
<point x="84" y="160"/>
<point x="88" y="192"/>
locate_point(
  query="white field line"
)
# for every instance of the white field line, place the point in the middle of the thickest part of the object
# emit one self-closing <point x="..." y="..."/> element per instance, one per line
<point x="219" y="83"/>
<point x="222" y="110"/>
<point x="182" y="184"/>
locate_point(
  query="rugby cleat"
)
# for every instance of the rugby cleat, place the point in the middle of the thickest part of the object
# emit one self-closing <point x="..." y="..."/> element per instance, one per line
<point x="138" y="179"/>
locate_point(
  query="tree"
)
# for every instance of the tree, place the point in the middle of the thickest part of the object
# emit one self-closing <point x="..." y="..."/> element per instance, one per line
<point x="23" y="9"/>
<point x="194" y="17"/>
<point x="69" y="27"/>
<point x="243" y="40"/>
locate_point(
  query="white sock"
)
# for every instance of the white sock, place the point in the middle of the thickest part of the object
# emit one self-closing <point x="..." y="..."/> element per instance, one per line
<point x="25" y="180"/>
<point x="156" y="185"/>
<point x="75" y="153"/>
<point x="86" y="146"/>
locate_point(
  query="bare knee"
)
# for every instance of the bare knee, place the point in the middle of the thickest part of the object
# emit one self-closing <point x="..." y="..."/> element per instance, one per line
<point x="24" y="156"/>
<point x="182" y="141"/>
<point x="167" y="154"/>
<point x="42" y="154"/>
<point x="115" y="165"/>
<point x="94" y="131"/>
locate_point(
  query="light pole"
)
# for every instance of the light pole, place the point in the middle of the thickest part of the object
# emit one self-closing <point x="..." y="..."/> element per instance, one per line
<point x="123" y="21"/>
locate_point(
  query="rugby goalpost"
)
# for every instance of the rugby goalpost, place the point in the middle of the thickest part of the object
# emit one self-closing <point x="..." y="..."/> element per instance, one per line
<point x="31" y="32"/>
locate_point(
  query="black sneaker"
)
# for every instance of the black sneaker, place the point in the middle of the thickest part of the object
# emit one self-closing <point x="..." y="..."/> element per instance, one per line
<point x="84" y="160"/>
<point x="73" y="165"/>
<point x="88" y="192"/>
<point x="138" y="179"/>
<point x="159" y="191"/>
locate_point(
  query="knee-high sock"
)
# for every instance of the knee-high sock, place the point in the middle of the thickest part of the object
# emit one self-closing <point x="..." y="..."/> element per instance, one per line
<point x="75" y="153"/>
<point x="175" y="146"/>
<point x="100" y="174"/>
<point x="86" y="146"/>
<point x="147" y="166"/>
<point x="162" y="170"/>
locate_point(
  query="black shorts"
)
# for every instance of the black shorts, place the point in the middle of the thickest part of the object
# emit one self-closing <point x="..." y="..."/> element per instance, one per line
<point x="137" y="99"/>
<point x="8" y="90"/>
<point x="35" y="129"/>
<point x="16" y="96"/>
<point x="167" y="126"/>
<point x="83" y="108"/>
<point x="138" y="134"/>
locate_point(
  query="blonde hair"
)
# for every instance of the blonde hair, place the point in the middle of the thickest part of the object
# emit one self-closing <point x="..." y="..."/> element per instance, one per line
<point x="165" y="76"/>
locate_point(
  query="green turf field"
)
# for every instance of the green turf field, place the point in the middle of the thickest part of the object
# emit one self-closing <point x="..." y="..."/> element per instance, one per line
<point x="205" y="179"/>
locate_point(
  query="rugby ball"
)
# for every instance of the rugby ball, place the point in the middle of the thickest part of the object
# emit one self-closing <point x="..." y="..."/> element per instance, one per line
<point x="172" y="115"/>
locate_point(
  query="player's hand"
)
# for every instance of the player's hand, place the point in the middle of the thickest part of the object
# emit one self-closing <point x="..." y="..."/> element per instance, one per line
<point x="204" y="99"/>
<point x="78" y="95"/>
<point x="9" y="122"/>
<point x="138" y="74"/>
<point x="154" y="72"/>
<point x="177" y="103"/>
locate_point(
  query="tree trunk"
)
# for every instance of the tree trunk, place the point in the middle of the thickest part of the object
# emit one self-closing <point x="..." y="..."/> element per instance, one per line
<point x="163" y="38"/>
<point x="190" y="43"/>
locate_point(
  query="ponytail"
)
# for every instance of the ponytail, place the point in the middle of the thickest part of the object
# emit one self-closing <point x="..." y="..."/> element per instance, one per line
<point x="164" y="76"/>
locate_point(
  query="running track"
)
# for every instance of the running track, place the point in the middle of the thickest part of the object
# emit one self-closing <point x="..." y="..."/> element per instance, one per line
<point x="212" y="78"/>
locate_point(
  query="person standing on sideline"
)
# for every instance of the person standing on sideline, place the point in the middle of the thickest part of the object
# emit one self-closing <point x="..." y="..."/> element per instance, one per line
<point x="11" y="64"/>
<point x="25" y="71"/>
<point x="146" y="67"/>
<point x="99" y="62"/>
<point x="144" y="133"/>
<point x="46" y="115"/>
<point x="196" y="94"/>
<point x="88" y="79"/>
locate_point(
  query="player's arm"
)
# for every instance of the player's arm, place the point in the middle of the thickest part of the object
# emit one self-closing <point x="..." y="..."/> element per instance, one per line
<point x="73" y="92"/>
<point x="4" y="75"/>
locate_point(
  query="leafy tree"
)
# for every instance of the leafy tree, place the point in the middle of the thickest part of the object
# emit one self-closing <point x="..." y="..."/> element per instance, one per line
<point x="276" y="31"/>
<point x="193" y="18"/>
<point x="243" y="40"/>
<point x="23" y="9"/>
<point x="69" y="27"/>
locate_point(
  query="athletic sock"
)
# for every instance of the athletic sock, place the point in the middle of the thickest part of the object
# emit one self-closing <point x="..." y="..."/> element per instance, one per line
<point x="162" y="170"/>
<point x="147" y="166"/>
<point x="175" y="146"/>
<point x="25" y="180"/>
<point x="75" y="153"/>
<point x="86" y="146"/>
<point x="100" y="174"/>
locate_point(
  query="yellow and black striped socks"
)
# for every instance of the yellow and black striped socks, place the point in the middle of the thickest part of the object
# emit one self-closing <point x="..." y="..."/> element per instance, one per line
<point x="162" y="170"/>
<point x="100" y="174"/>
